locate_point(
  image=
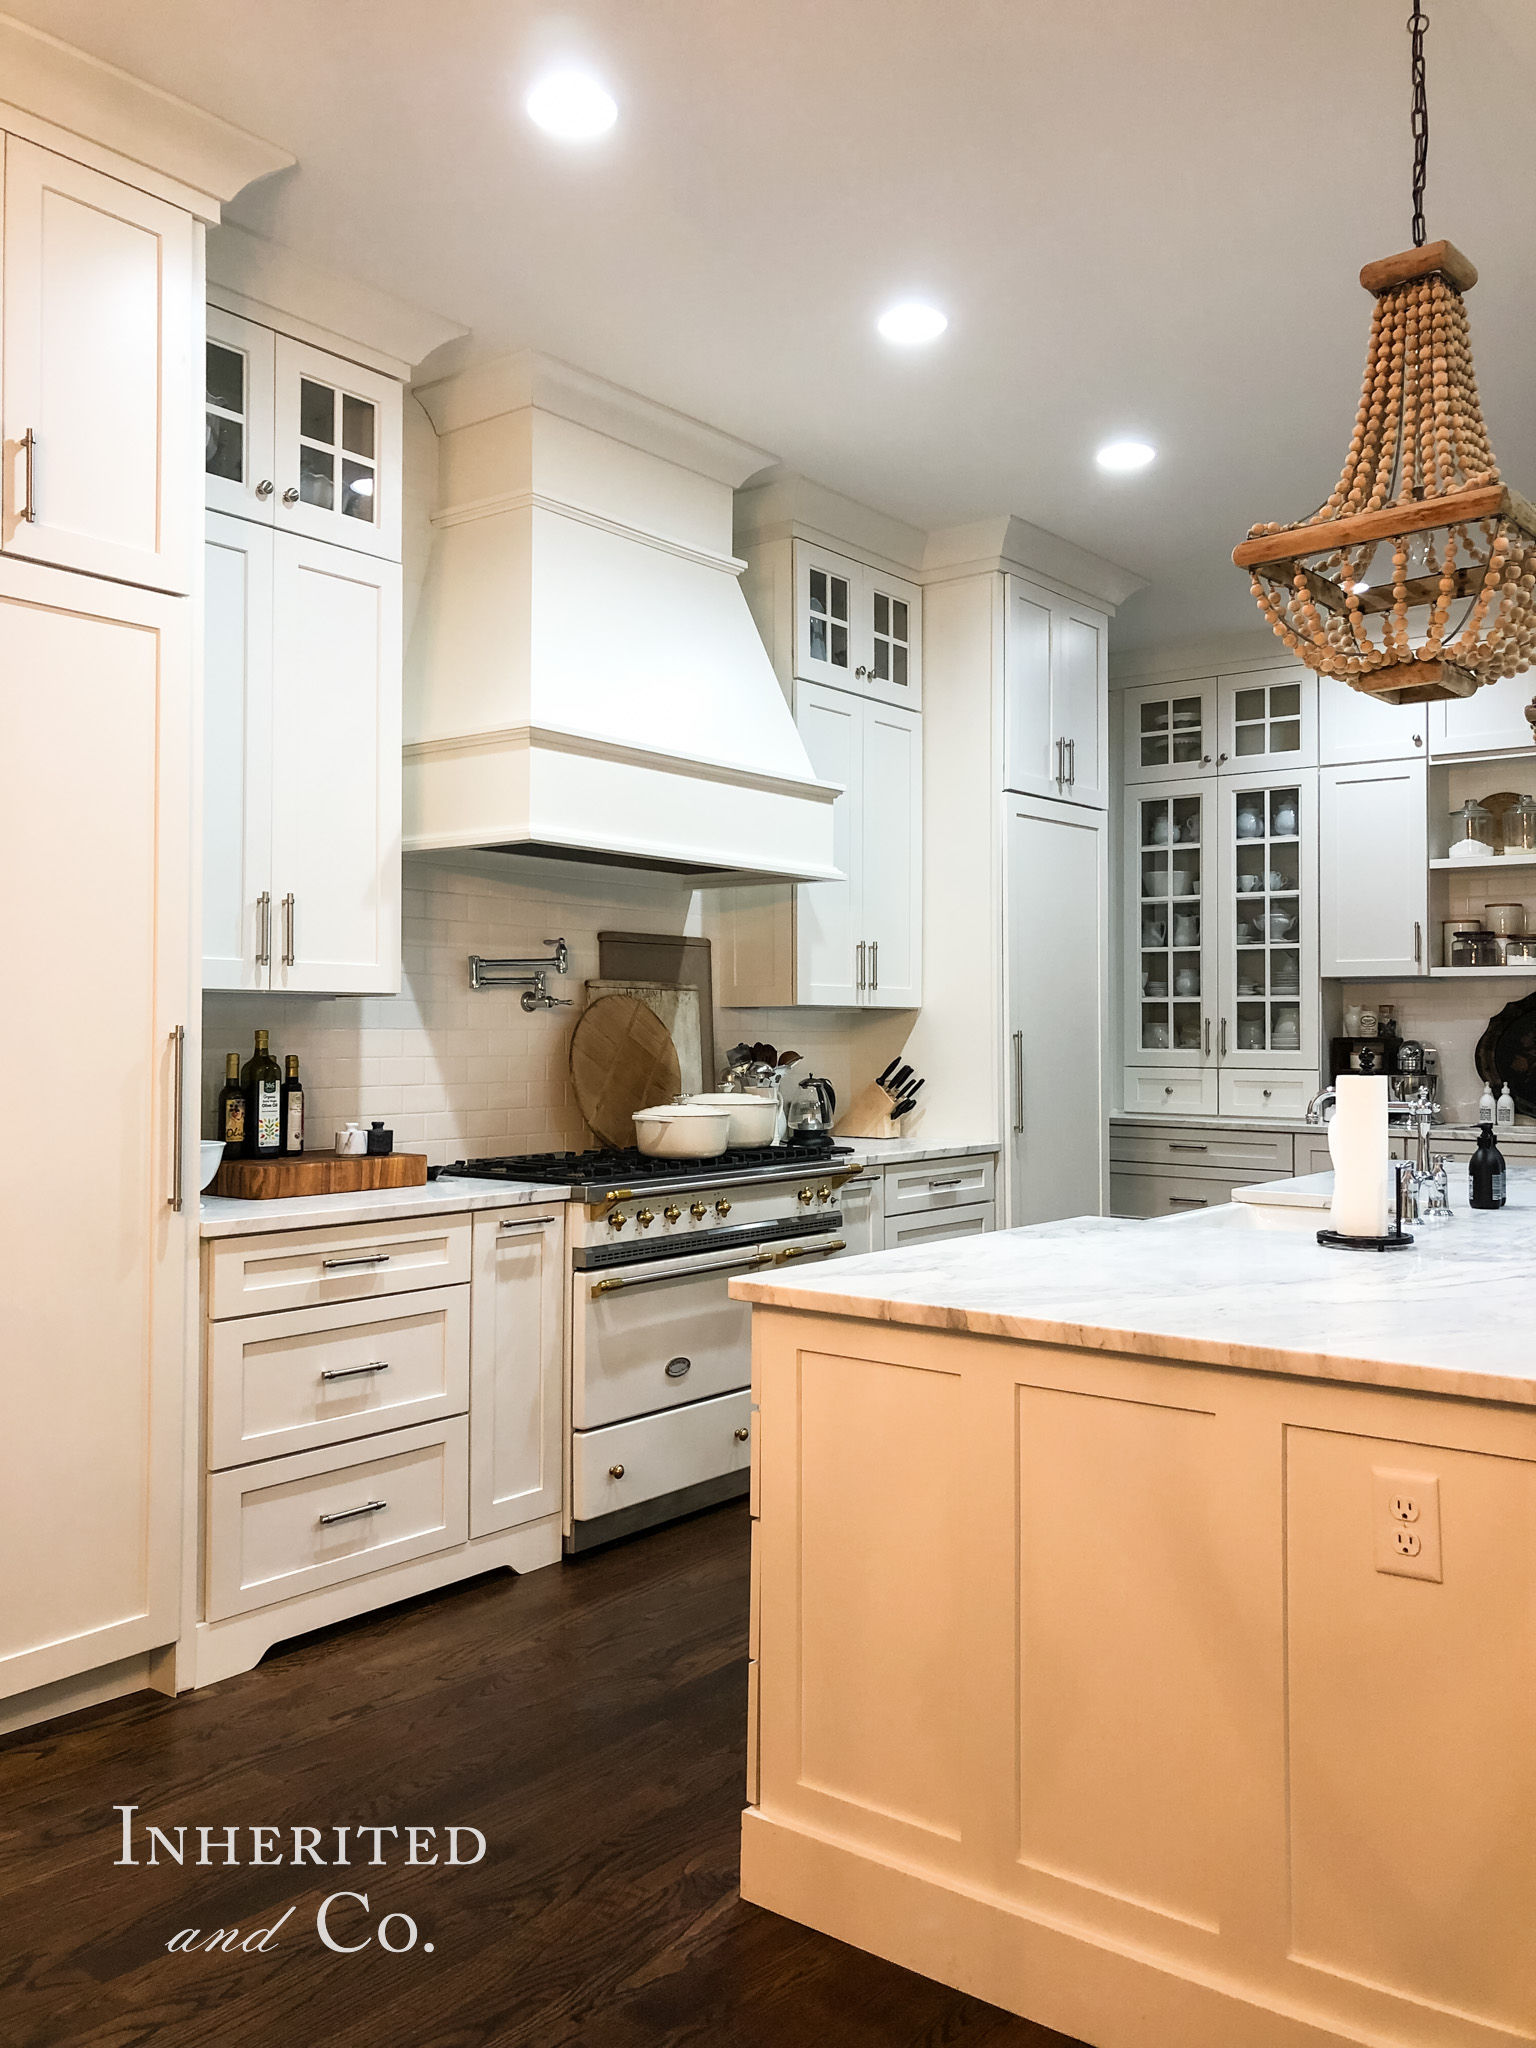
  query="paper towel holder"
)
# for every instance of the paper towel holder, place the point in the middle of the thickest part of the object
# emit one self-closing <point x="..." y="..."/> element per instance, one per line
<point x="1394" y="1240"/>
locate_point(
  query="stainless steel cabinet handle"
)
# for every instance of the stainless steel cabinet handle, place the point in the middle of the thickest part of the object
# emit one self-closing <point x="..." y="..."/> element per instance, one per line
<point x="362" y="1259"/>
<point x="859" y="980"/>
<point x="1061" y="766"/>
<point x="1207" y="1037"/>
<point x="1188" y="1202"/>
<point x="288" y="929"/>
<point x="264" y="942"/>
<point x="955" y="1180"/>
<point x="178" y="1051"/>
<point x="1018" y="1081"/>
<point x="291" y="495"/>
<point x="1175" y="1145"/>
<point x="369" y="1507"/>
<point x="874" y="963"/>
<point x="29" y="452"/>
<point x="1071" y="764"/>
<point x="523" y="1222"/>
<point x="1418" y="943"/>
<point x="353" y="1372"/>
<point x="264" y="488"/>
<point x="1222" y="1047"/>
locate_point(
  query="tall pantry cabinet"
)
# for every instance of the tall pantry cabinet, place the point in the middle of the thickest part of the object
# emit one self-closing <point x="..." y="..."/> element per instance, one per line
<point x="100" y="328"/>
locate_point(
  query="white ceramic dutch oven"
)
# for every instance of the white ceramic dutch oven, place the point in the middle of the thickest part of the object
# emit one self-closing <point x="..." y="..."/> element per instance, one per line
<point x="754" y="1118"/>
<point x="682" y="1130"/>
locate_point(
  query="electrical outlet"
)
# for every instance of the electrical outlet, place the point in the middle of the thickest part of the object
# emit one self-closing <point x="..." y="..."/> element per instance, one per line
<point x="1407" y="1523"/>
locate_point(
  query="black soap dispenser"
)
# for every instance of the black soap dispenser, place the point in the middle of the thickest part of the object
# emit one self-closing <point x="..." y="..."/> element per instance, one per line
<point x="1486" y="1173"/>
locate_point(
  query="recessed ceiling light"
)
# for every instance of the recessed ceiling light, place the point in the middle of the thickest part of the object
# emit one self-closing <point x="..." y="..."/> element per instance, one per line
<point x="911" y="322"/>
<point x="1122" y="456"/>
<point x="572" y="105"/>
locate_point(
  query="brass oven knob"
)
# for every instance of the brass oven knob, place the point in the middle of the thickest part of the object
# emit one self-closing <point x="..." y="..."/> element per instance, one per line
<point x="807" y="1196"/>
<point x="617" y="1219"/>
<point x="671" y="1212"/>
<point x="742" y="1435"/>
<point x="615" y="1471"/>
<point x="823" y="1194"/>
<point x="698" y="1212"/>
<point x="722" y="1207"/>
<point x="644" y="1218"/>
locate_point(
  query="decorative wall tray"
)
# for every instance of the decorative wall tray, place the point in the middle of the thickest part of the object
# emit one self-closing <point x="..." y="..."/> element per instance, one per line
<point x="1507" y="1052"/>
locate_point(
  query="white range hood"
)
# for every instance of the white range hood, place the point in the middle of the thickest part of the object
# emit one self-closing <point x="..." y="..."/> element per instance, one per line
<point x="584" y="677"/>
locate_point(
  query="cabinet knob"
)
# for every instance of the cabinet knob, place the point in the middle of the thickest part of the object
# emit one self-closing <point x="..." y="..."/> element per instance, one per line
<point x="264" y="488"/>
<point x="291" y="495"/>
<point x="1418" y="739"/>
<point x="742" y="1435"/>
<point x="615" y="1471"/>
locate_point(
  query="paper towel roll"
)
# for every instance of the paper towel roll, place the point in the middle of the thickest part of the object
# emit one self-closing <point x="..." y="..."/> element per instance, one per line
<point x="1357" y="1144"/>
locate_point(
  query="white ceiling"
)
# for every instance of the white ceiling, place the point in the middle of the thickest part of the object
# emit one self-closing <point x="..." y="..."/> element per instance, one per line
<point x="1140" y="219"/>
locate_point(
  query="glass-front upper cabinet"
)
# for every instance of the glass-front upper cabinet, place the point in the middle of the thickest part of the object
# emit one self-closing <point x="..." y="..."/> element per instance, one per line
<point x="237" y="416"/>
<point x="1170" y="731"/>
<point x="856" y="627"/>
<point x="1268" y="720"/>
<point x="1268" y="993"/>
<point x="1169" y="900"/>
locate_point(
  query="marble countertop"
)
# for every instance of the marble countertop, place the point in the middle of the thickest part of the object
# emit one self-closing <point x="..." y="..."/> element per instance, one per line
<point x="1230" y="1286"/>
<point x="222" y="1217"/>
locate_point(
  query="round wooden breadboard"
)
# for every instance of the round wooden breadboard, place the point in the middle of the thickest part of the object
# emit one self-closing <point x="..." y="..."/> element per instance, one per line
<point x="622" y="1059"/>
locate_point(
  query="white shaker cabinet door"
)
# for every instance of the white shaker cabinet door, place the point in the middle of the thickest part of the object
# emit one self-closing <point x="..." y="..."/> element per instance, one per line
<point x="827" y="932"/>
<point x="516" y="1337"/>
<point x="1031" y="756"/>
<point x="1056" y="697"/>
<point x="828" y="617"/>
<point x="237" y="754"/>
<point x="890" y="645"/>
<point x="1354" y="727"/>
<point x="338" y="439"/>
<point x="1374" y="870"/>
<point x="97" y="391"/>
<point x="94" y="834"/>
<point x="335" y="770"/>
<point x="1080" y="701"/>
<point x="1491" y="721"/>
<point x="891" y="919"/>
<point x="1057" y="905"/>
<point x="238" y="449"/>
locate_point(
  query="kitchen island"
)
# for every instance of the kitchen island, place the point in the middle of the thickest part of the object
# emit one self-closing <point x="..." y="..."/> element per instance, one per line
<point x="1144" y="1624"/>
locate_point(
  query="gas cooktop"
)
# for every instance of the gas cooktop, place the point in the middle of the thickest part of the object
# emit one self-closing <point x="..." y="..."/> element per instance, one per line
<point x="626" y="1167"/>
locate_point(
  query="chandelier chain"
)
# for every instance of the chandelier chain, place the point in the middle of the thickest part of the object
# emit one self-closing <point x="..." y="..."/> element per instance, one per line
<point x="1418" y="22"/>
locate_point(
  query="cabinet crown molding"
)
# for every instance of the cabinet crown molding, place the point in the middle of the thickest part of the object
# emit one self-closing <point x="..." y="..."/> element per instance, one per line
<point x="73" y="91"/>
<point x="485" y="391"/>
<point x="1008" y="542"/>
<point x="263" y="281"/>
<point x="791" y="507"/>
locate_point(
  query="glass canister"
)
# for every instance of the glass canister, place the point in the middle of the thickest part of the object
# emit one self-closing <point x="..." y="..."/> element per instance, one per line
<point x="1520" y="826"/>
<point x="1471" y="832"/>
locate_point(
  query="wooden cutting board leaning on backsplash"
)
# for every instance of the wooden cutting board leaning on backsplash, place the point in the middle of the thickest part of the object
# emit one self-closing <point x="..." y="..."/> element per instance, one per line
<point x="318" y="1173"/>
<point x="622" y="1059"/>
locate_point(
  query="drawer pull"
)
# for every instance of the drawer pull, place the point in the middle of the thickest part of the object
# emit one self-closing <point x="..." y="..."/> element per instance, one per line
<point x="523" y="1222"/>
<point x="1188" y="1202"/>
<point x="615" y="1471"/>
<point x="742" y="1435"/>
<point x="365" y="1259"/>
<point x="352" y="1372"/>
<point x="955" y="1180"/>
<point x="369" y="1507"/>
<point x="1175" y="1146"/>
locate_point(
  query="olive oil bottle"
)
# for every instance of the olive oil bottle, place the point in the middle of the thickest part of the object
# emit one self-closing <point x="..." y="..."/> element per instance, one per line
<point x="262" y="1080"/>
<point x="293" y="1108"/>
<point x="231" y="1124"/>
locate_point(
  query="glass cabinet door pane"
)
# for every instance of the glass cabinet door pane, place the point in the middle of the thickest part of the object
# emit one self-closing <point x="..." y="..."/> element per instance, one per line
<point x="1267" y="919"/>
<point x="226" y="379"/>
<point x="317" y="411"/>
<point x="357" y="416"/>
<point x="224" y="419"/>
<point x="317" y="478"/>
<point x="356" y="489"/>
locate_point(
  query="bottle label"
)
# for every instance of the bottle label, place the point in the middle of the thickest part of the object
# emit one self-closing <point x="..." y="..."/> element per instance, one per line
<point x="234" y="1120"/>
<point x="293" y="1137"/>
<point x="1498" y="1187"/>
<point x="269" y="1117"/>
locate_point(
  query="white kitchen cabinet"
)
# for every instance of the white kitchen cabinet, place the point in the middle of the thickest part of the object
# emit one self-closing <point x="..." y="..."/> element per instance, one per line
<point x="97" y="392"/>
<point x="855" y="943"/>
<point x="1056" y="697"/>
<point x="1267" y="958"/>
<point x="516" y="1349"/>
<point x="857" y="627"/>
<point x="1374" y="860"/>
<point x="302" y="764"/>
<point x="1491" y="721"/>
<point x="1169" y="731"/>
<point x="95" y="728"/>
<point x="1171" y="904"/>
<point x="1266" y="722"/>
<point x="1354" y="727"/>
<point x="1056" y="906"/>
<point x="300" y="439"/>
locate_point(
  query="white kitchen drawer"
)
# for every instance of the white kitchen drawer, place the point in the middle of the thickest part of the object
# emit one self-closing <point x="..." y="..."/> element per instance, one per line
<point x="1190" y="1090"/>
<point x="266" y="1537"/>
<point x="939" y="1184"/>
<point x="1313" y="1156"/>
<point x="1252" y="1092"/>
<point x="1172" y="1194"/>
<point x="1200" y="1145"/>
<point x="349" y="1262"/>
<point x="659" y="1454"/>
<point x="310" y="1376"/>
<point x="931" y="1226"/>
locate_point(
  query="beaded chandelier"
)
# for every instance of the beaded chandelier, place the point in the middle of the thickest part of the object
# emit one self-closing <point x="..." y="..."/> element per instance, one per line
<point x="1416" y="580"/>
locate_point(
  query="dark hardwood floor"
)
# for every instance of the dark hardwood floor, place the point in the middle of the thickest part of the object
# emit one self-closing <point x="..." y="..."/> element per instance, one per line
<point x="588" y="1719"/>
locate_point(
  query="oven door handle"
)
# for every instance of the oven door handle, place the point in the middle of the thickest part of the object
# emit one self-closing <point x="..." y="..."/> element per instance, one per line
<point x="748" y="1260"/>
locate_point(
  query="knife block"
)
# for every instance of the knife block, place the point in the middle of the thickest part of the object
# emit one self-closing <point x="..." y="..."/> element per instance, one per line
<point x="868" y="1115"/>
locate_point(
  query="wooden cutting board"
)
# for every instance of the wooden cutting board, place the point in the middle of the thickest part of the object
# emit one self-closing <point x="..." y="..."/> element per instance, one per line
<point x="318" y="1173"/>
<point x="622" y="1059"/>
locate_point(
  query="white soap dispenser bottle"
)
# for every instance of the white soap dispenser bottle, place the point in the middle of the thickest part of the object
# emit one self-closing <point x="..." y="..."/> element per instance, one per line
<point x="1486" y="1107"/>
<point x="1504" y="1113"/>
